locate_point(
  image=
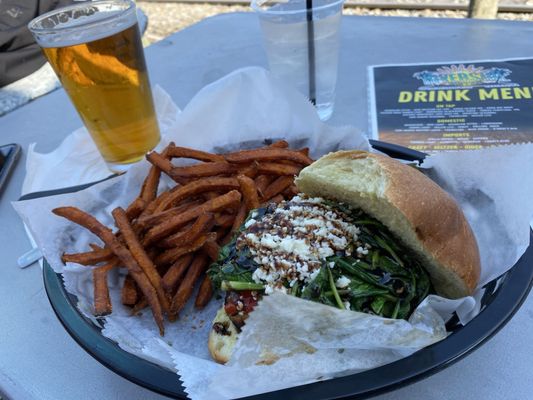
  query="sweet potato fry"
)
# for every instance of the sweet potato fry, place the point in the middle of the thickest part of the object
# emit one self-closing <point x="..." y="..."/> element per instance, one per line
<point x="261" y="183"/>
<point x="202" y="225"/>
<point x="276" y="187"/>
<point x="240" y="217"/>
<point x="135" y="208"/>
<point x="202" y="170"/>
<point x="204" y="293"/>
<point x="304" y="151"/>
<point x="171" y="255"/>
<point x="276" y="199"/>
<point x="184" y="152"/>
<point x="140" y="255"/>
<point x="192" y="210"/>
<point x="171" y="224"/>
<point x="210" y="195"/>
<point x="224" y="220"/>
<point x="212" y="249"/>
<point x="183" y="205"/>
<point x="290" y="192"/>
<point x="129" y="294"/>
<point x="175" y="272"/>
<point x="89" y="258"/>
<point x="248" y="170"/>
<point x="272" y="168"/>
<point x="154" y="204"/>
<point x="106" y="235"/>
<point x="102" y="300"/>
<point x="249" y="192"/>
<point x="186" y="287"/>
<point x="268" y="154"/>
<point x="196" y="187"/>
<point x="280" y="144"/>
<point x="146" y="221"/>
<point x="151" y="182"/>
<point x="159" y="161"/>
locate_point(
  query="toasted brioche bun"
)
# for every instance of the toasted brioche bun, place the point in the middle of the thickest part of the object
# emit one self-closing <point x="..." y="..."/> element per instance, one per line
<point x="412" y="206"/>
<point x="221" y="345"/>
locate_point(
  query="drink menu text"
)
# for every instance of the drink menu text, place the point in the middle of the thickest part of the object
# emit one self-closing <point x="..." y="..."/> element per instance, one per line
<point x="455" y="106"/>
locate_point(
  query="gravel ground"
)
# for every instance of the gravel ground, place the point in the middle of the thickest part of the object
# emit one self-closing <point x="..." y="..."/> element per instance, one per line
<point x="166" y="18"/>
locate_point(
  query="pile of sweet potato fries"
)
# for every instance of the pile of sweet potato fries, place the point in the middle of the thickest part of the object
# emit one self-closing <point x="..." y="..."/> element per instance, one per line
<point x="167" y="240"/>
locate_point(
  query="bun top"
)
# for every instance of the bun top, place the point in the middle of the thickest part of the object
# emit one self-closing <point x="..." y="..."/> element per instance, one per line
<point x="412" y="206"/>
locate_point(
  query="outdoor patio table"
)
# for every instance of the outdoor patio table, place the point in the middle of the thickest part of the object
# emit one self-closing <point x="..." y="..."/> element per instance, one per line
<point x="39" y="360"/>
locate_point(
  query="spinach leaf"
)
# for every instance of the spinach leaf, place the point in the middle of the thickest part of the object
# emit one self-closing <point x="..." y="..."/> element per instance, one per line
<point x="377" y="305"/>
<point x="388" y="280"/>
<point x="359" y="288"/>
<point x="319" y="285"/>
<point x="233" y="265"/>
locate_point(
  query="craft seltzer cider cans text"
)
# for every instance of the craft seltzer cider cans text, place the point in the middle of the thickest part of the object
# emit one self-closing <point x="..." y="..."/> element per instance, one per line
<point x="104" y="73"/>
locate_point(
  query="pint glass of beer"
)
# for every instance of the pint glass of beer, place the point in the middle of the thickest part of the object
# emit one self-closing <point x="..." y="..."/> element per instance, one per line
<point x="96" y="51"/>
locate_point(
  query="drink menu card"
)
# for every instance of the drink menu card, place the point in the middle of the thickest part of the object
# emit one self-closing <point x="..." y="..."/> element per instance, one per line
<point x="452" y="106"/>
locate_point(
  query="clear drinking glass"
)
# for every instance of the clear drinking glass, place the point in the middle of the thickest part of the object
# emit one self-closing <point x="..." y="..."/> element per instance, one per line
<point x="302" y="45"/>
<point x="96" y="51"/>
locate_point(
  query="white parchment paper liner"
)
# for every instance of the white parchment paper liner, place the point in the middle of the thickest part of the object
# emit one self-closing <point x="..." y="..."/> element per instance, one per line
<point x="246" y="107"/>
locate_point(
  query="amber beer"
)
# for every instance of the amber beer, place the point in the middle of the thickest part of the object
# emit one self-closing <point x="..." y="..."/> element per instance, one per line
<point x="107" y="80"/>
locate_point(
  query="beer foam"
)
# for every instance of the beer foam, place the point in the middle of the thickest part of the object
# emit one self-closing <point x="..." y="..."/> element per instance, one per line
<point x="83" y="28"/>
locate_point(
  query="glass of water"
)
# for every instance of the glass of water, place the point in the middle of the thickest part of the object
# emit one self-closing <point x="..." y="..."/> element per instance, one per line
<point x="302" y="44"/>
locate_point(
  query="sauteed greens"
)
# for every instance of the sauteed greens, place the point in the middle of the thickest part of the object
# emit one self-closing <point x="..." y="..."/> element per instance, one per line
<point x="385" y="280"/>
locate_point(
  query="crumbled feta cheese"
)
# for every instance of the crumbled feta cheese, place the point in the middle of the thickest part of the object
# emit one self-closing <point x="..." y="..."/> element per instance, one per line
<point x="322" y="231"/>
<point x="325" y="252"/>
<point x="292" y="241"/>
<point x="342" y="282"/>
<point x="362" y="251"/>
<point x="249" y="223"/>
<point x="258" y="275"/>
<point x="313" y="275"/>
<point x="313" y="221"/>
<point x="269" y="241"/>
<point x="252" y="238"/>
<point x="297" y="246"/>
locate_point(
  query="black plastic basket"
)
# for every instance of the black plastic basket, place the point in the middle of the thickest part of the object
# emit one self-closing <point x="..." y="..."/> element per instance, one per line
<point x="502" y="298"/>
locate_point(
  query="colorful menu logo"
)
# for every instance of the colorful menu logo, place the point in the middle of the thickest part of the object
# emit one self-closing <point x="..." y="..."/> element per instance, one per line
<point x="464" y="76"/>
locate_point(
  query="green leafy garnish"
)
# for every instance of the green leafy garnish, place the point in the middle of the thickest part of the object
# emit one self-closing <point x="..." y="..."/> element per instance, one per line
<point x="340" y="304"/>
<point x="240" y="285"/>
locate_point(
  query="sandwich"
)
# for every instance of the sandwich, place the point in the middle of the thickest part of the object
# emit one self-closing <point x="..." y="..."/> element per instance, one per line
<point x="366" y="233"/>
